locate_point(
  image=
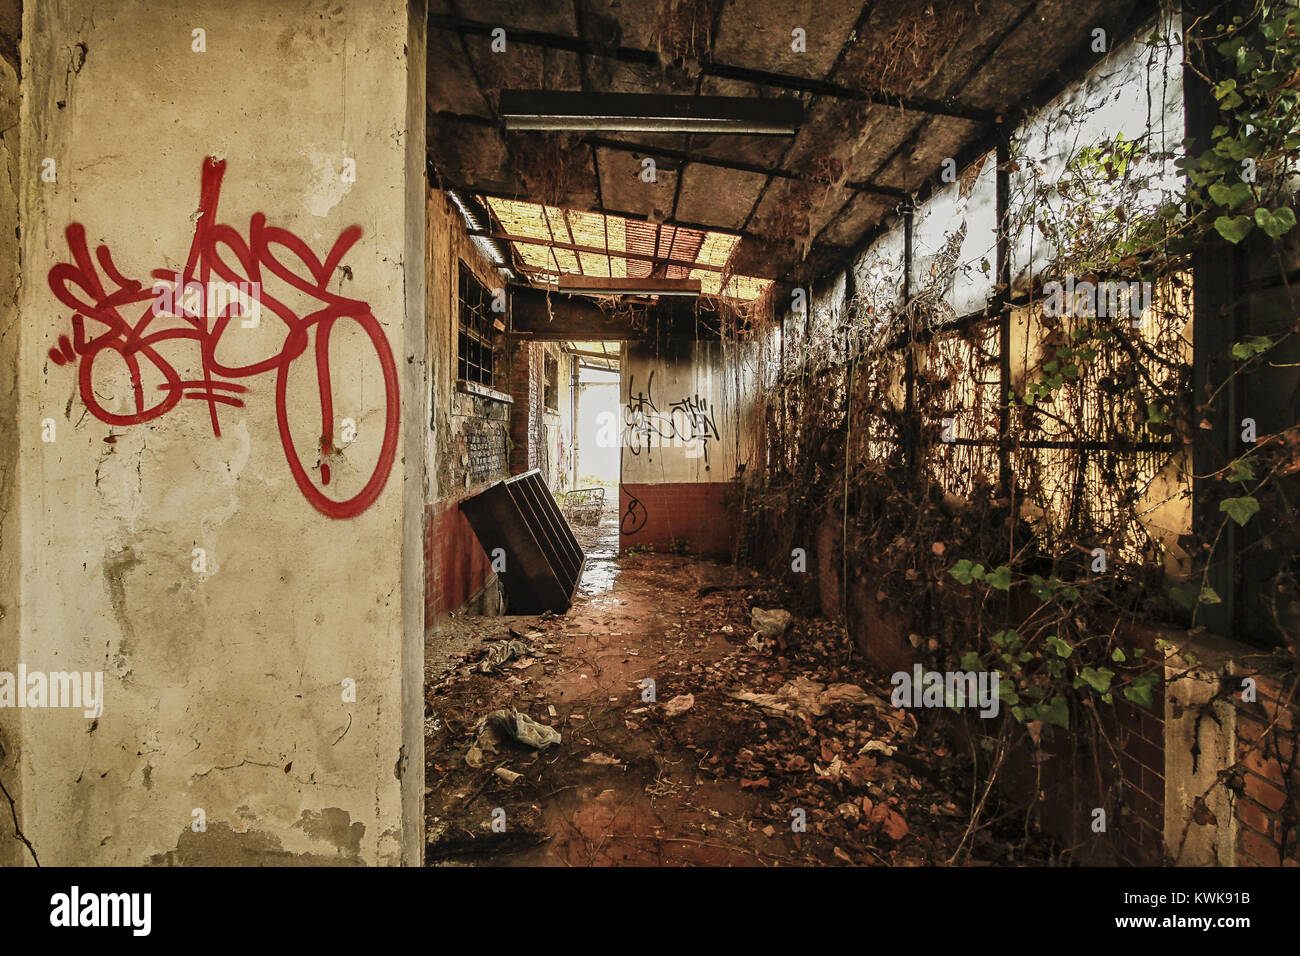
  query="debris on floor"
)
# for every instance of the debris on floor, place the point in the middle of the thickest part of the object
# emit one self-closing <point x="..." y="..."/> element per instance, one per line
<point x="498" y="654"/>
<point x="679" y="705"/>
<point x="771" y="625"/>
<point x="786" y="755"/>
<point x="802" y="697"/>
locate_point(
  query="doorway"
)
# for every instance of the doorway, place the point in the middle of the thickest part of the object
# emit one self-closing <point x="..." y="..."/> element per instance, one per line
<point x="593" y="504"/>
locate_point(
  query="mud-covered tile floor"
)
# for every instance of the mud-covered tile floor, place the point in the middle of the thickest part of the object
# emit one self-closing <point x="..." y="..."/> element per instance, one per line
<point x="745" y="751"/>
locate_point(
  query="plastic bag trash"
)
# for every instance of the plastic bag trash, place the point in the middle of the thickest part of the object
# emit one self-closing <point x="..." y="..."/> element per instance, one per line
<point x="524" y="729"/>
<point x="498" y="654"/>
<point x="499" y="725"/>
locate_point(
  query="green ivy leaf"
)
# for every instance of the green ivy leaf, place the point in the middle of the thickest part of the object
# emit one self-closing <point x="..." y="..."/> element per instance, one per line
<point x="1057" y="711"/>
<point x="1230" y="196"/>
<point x="1251" y="347"/>
<point x="1139" y="695"/>
<point x="1118" y="656"/>
<point x="1234" y="228"/>
<point x="970" y="661"/>
<point x="1000" y="578"/>
<point x="1239" y="510"/>
<point x="1006" y="691"/>
<point x="1184" y="595"/>
<point x="964" y="571"/>
<point x="1097" y="678"/>
<point x="1140" y="691"/>
<point x="1061" y="648"/>
<point x="1276" y="223"/>
<point x="1242" y="469"/>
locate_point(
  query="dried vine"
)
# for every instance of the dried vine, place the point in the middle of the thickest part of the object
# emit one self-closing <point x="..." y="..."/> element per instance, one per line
<point x="1046" y="533"/>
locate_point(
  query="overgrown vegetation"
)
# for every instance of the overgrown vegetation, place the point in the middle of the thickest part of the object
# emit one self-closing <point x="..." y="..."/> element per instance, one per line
<point x="1047" y="533"/>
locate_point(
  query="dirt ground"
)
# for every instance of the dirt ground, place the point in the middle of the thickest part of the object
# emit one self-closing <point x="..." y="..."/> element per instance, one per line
<point x="821" y="773"/>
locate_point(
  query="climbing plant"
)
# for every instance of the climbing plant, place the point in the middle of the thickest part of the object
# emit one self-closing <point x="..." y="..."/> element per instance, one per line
<point x="889" y="428"/>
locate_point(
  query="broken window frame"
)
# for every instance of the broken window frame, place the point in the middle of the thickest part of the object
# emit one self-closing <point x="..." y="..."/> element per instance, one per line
<point x="476" y="330"/>
<point x="551" y="383"/>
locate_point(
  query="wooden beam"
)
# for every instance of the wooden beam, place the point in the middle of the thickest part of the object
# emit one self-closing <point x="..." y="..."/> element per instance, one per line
<point x="615" y="285"/>
<point x="596" y="250"/>
<point x="556" y="316"/>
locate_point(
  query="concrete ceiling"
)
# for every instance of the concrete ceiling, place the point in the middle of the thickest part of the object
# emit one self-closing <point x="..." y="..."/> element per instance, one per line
<point x="890" y="88"/>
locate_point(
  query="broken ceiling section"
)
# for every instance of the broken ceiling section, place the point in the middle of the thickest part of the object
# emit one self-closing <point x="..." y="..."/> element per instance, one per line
<point x="885" y="93"/>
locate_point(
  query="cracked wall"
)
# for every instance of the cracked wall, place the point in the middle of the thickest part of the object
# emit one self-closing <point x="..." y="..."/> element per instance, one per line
<point x="469" y="425"/>
<point x="230" y="556"/>
<point x="12" y="851"/>
<point x="688" y="428"/>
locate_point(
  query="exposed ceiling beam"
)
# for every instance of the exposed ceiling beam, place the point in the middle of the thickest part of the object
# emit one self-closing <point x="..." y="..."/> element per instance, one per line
<point x="596" y="250"/>
<point x="598" y="355"/>
<point x="685" y="156"/>
<point x="497" y="193"/>
<point x="688" y="157"/>
<point x="552" y="316"/>
<point x="615" y="285"/>
<point x="709" y="67"/>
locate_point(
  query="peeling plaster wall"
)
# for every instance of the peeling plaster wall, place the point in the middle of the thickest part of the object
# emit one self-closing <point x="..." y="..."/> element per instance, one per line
<point x="697" y="409"/>
<point x="688" y="426"/>
<point x="223" y="686"/>
<point x="462" y="422"/>
<point x="557" y="421"/>
<point x="469" y="446"/>
<point x="541" y="436"/>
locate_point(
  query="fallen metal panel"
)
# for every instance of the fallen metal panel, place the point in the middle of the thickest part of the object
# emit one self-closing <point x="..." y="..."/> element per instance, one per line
<point x="543" y="561"/>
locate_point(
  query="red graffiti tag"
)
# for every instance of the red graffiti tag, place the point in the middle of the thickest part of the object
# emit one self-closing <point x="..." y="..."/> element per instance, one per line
<point x="219" y="251"/>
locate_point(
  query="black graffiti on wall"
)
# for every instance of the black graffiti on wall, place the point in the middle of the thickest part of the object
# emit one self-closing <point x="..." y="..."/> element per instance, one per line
<point x="688" y="421"/>
<point x="635" y="517"/>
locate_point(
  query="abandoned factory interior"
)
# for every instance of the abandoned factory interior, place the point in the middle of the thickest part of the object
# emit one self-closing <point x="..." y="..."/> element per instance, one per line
<point x="649" y="433"/>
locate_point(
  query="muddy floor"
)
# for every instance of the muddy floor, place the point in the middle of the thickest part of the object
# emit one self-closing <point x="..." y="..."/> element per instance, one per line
<point x="686" y="737"/>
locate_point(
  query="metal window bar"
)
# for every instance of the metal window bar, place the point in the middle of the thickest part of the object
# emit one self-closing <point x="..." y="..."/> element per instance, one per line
<point x="475" y="339"/>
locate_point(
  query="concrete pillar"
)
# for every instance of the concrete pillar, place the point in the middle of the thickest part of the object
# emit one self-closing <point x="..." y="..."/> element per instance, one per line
<point x="1200" y="748"/>
<point x="12" y="850"/>
<point x="223" y="517"/>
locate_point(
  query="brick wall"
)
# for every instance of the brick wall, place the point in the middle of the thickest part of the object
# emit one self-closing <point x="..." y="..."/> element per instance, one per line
<point x="481" y="452"/>
<point x="1266" y="779"/>
<point x="526" y="435"/>
<point x="470" y="424"/>
<point x="455" y="564"/>
<point x="1138" y="826"/>
<point x="700" y="516"/>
